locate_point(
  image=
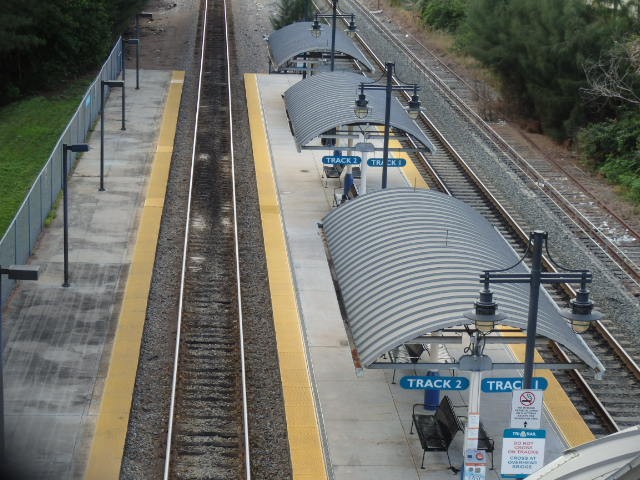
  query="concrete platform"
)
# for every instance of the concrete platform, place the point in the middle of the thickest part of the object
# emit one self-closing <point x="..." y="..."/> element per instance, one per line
<point x="58" y="340"/>
<point x="365" y="422"/>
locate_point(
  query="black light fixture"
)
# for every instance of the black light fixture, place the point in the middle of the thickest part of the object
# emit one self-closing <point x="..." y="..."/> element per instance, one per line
<point x="362" y="106"/>
<point x="580" y="315"/>
<point x="316" y="30"/>
<point x="414" y="106"/>
<point x="485" y="315"/>
<point x="351" y="29"/>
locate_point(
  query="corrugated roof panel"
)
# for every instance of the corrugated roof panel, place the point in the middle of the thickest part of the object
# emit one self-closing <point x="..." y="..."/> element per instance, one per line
<point x="616" y="456"/>
<point x="322" y="102"/>
<point x="408" y="261"/>
<point x="295" y="39"/>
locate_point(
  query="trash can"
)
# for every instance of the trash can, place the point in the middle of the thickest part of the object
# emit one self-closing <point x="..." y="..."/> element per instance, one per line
<point x="432" y="397"/>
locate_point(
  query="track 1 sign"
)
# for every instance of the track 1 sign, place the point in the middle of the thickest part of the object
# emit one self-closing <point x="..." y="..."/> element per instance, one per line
<point x="503" y="385"/>
<point x="341" y="160"/>
<point x="434" y="383"/>
<point x="391" y="162"/>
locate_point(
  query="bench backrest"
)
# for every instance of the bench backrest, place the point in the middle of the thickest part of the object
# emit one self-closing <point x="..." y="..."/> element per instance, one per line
<point x="447" y="417"/>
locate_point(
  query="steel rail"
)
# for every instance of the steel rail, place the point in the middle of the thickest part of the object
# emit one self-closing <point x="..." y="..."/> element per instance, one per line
<point x="175" y="372"/>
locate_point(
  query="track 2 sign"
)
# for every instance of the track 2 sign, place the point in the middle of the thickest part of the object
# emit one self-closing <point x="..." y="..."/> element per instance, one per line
<point x="434" y="383"/>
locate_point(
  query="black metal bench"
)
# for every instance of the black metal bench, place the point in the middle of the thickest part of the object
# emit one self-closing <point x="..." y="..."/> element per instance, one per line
<point x="436" y="432"/>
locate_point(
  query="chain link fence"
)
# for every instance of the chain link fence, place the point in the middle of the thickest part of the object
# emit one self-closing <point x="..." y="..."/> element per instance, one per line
<point x="23" y="232"/>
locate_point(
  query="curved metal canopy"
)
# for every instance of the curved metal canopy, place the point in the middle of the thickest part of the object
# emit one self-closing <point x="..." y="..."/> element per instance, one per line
<point x="408" y="262"/>
<point x="326" y="101"/>
<point x="614" y="457"/>
<point x="292" y="41"/>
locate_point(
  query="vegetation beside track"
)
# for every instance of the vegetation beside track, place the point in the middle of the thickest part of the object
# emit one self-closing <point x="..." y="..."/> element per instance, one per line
<point x="29" y="130"/>
<point x="571" y="68"/>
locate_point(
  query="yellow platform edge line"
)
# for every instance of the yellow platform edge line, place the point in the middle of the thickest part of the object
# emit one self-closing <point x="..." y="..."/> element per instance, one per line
<point x="107" y="447"/>
<point x="570" y="423"/>
<point x="410" y="172"/>
<point x="305" y="444"/>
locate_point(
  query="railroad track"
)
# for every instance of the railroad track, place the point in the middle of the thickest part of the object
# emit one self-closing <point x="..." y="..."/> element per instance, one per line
<point x="207" y="431"/>
<point x="604" y="410"/>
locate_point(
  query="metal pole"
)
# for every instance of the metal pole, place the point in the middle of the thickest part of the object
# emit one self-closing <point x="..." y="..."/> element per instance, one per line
<point x="101" y="189"/>
<point x="333" y="34"/>
<point x="137" y="65"/>
<point x="387" y="118"/>
<point x="538" y="238"/>
<point x="122" y="52"/>
<point x="64" y="215"/>
<point x="123" y="127"/>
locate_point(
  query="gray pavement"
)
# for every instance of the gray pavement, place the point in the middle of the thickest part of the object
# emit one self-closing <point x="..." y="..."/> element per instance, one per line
<point x="58" y="340"/>
<point x="365" y="421"/>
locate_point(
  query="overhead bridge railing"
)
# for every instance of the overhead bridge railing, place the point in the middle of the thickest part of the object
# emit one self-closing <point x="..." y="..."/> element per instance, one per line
<point x="22" y="234"/>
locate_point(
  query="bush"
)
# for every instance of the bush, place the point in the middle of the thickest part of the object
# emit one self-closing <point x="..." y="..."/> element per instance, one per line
<point x="443" y="14"/>
<point x="613" y="149"/>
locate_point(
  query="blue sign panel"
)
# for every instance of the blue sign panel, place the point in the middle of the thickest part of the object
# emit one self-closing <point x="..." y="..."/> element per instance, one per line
<point x="391" y="162"/>
<point x="341" y="160"/>
<point x="434" y="383"/>
<point x="504" y="385"/>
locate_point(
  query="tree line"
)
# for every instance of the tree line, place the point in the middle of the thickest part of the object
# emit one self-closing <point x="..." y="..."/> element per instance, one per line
<point x="44" y="44"/>
<point x="572" y="65"/>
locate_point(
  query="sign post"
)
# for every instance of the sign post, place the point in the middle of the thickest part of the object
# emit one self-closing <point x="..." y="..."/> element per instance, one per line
<point x="475" y="465"/>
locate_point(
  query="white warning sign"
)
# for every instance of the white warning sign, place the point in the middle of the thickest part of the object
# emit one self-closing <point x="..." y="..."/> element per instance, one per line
<point x="522" y="452"/>
<point x="526" y="408"/>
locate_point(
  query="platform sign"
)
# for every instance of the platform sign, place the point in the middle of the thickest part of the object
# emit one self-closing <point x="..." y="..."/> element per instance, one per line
<point x="522" y="452"/>
<point x="475" y="465"/>
<point x="434" y="383"/>
<point x="391" y="162"/>
<point x="526" y="408"/>
<point x="503" y="385"/>
<point x="341" y="160"/>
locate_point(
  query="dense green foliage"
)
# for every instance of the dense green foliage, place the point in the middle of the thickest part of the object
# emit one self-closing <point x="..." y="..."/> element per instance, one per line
<point x="290" y="11"/>
<point x="614" y="148"/>
<point x="29" y="129"/>
<point x="443" y="14"/>
<point x="538" y="49"/>
<point x="44" y="43"/>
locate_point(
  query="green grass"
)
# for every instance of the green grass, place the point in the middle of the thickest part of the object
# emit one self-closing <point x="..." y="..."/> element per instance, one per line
<point x="29" y="129"/>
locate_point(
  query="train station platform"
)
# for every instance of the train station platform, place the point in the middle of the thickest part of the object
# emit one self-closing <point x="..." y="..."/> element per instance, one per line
<point x="359" y="427"/>
<point x="63" y="386"/>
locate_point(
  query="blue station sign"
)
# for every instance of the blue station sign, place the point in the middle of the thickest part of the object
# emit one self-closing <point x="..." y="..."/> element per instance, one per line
<point x="505" y="385"/>
<point x="391" y="162"/>
<point x="341" y="160"/>
<point x="434" y="383"/>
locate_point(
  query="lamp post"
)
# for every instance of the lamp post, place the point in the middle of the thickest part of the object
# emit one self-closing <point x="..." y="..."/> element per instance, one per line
<point x="580" y="315"/>
<point x="82" y="147"/>
<point x="362" y="109"/>
<point x="13" y="272"/>
<point x="316" y="30"/>
<point x="111" y="84"/>
<point x="138" y="17"/>
<point x="136" y="42"/>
